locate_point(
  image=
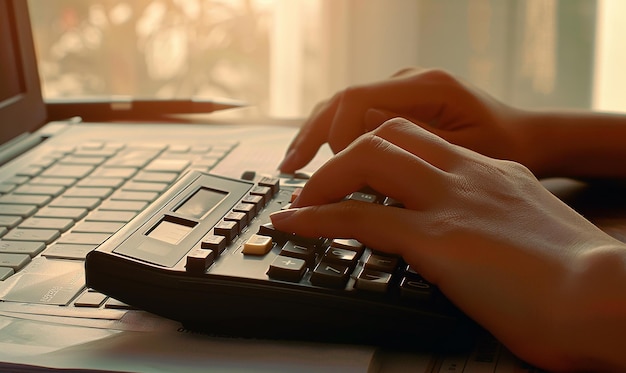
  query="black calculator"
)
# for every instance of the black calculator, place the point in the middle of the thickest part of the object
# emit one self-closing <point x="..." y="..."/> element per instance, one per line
<point x="206" y="254"/>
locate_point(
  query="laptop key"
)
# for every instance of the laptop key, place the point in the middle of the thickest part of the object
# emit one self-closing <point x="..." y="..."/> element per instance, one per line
<point x="62" y="181"/>
<point x="74" y="213"/>
<point x="122" y="206"/>
<point x="5" y="273"/>
<point x="32" y="235"/>
<point x="101" y="182"/>
<point x="15" y="247"/>
<point x="60" y="224"/>
<point x="156" y="177"/>
<point x="97" y="227"/>
<point x="17" y="210"/>
<point x="68" y="251"/>
<point x="111" y="216"/>
<point x="84" y="238"/>
<point x="15" y="261"/>
<point x="101" y="193"/>
<point x="88" y="203"/>
<point x="9" y="221"/>
<point x="72" y="171"/>
<point x="45" y="190"/>
<point x="16" y="199"/>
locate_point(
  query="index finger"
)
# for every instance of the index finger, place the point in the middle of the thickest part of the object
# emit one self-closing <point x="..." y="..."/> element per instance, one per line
<point x="342" y="119"/>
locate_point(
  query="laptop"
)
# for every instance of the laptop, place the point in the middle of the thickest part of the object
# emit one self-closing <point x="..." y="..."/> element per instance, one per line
<point x="66" y="186"/>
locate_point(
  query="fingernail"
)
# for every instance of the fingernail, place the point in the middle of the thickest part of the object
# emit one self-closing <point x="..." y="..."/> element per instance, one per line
<point x="282" y="215"/>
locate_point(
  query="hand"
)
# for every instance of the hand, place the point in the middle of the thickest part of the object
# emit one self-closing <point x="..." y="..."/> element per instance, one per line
<point x="500" y="246"/>
<point x="432" y="99"/>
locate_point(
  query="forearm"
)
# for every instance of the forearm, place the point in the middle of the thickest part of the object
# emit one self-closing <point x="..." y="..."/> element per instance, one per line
<point x="575" y="144"/>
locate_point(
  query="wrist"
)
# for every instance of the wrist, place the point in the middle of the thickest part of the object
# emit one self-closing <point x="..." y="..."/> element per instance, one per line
<point x="573" y="144"/>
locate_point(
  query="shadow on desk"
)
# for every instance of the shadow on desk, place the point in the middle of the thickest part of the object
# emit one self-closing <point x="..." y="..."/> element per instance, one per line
<point x="603" y="202"/>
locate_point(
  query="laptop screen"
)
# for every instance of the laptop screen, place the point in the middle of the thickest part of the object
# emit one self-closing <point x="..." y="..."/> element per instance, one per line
<point x="21" y="105"/>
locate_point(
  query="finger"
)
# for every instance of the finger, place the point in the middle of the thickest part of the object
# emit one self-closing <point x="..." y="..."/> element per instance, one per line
<point x="312" y="135"/>
<point x="374" y="118"/>
<point x="422" y="96"/>
<point x="375" y="162"/>
<point x="381" y="228"/>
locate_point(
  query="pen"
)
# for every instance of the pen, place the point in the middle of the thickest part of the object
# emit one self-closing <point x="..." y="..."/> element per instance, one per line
<point x="123" y="107"/>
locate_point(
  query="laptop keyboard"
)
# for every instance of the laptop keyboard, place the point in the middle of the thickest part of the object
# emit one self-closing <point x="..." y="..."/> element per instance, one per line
<point x="65" y="204"/>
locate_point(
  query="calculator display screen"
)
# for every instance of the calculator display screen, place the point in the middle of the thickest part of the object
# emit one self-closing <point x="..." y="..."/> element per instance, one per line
<point x="201" y="202"/>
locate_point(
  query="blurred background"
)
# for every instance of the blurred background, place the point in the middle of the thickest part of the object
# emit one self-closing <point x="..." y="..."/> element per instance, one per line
<point x="283" y="56"/>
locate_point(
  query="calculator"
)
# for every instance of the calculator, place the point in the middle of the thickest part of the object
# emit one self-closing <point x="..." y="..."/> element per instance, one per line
<point x="206" y="254"/>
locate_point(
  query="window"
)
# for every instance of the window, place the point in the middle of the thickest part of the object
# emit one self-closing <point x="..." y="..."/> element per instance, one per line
<point x="283" y="56"/>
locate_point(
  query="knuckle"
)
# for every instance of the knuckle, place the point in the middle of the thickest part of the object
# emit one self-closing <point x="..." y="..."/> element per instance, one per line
<point x="439" y="76"/>
<point x="392" y="125"/>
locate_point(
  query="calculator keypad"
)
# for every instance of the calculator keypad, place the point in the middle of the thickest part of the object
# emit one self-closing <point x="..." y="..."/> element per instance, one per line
<point x="340" y="263"/>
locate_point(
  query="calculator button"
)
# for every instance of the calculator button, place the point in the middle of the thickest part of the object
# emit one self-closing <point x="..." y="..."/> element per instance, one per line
<point x="214" y="242"/>
<point x="341" y="256"/>
<point x="247" y="208"/>
<point x="198" y="260"/>
<point x="292" y="250"/>
<point x="295" y="194"/>
<point x="264" y="192"/>
<point x="228" y="229"/>
<point x="268" y="229"/>
<point x="379" y="262"/>
<point x="257" y="245"/>
<point x="330" y="275"/>
<point x="371" y="280"/>
<point x="363" y="197"/>
<point x="348" y="243"/>
<point x="287" y="269"/>
<point x="272" y="182"/>
<point x="257" y="201"/>
<point x="415" y="287"/>
<point x="239" y="217"/>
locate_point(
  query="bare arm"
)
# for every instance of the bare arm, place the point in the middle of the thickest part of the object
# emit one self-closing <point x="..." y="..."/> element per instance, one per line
<point x="575" y="144"/>
<point x="556" y="143"/>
